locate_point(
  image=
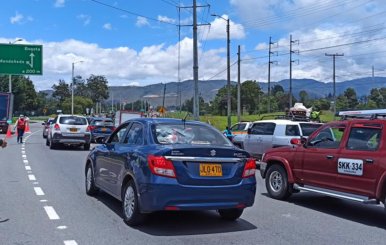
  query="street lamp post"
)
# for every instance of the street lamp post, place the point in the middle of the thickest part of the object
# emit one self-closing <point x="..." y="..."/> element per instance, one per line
<point x="72" y="86"/>
<point x="228" y="72"/>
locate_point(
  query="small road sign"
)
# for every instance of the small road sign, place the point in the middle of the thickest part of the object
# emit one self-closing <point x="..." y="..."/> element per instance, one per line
<point x="21" y="59"/>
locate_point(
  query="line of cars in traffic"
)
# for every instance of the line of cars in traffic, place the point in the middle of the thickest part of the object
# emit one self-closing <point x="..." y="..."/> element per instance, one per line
<point x="75" y="130"/>
<point x="153" y="164"/>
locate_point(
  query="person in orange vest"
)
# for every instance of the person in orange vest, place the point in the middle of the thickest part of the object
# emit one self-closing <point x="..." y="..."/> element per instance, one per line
<point x="20" y="126"/>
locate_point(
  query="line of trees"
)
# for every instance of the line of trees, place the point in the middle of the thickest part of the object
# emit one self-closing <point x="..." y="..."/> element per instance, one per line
<point x="87" y="92"/>
<point x="255" y="101"/>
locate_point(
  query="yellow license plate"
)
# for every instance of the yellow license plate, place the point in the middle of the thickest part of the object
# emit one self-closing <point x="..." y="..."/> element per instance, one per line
<point x="104" y="129"/>
<point x="73" y="129"/>
<point x="210" y="169"/>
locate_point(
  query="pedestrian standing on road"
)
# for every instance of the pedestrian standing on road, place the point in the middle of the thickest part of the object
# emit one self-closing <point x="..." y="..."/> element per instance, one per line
<point x="20" y="126"/>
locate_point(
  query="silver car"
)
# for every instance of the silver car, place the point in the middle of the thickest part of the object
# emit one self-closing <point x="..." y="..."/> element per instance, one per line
<point x="266" y="134"/>
<point x="69" y="130"/>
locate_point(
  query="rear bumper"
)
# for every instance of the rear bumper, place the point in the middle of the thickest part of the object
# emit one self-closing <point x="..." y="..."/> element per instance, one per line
<point x="71" y="140"/>
<point x="156" y="197"/>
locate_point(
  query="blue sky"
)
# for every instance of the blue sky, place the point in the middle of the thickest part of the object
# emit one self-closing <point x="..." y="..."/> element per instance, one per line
<point x="136" y="42"/>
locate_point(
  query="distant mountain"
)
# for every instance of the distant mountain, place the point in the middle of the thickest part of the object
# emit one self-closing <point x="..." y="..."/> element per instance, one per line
<point x="208" y="89"/>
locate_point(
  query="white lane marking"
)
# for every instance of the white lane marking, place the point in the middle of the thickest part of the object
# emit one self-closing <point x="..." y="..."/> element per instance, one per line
<point x="24" y="156"/>
<point x="70" y="242"/>
<point x="27" y="167"/>
<point x="39" y="191"/>
<point x="52" y="215"/>
<point x="23" y="148"/>
<point x="43" y="200"/>
<point x="31" y="177"/>
<point x="61" y="227"/>
<point x="22" y="152"/>
<point x="25" y="161"/>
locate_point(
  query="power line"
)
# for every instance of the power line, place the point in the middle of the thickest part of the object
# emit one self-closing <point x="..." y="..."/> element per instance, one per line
<point x="130" y="12"/>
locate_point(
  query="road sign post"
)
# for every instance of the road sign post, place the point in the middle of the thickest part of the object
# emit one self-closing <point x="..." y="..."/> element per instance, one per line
<point x="21" y="59"/>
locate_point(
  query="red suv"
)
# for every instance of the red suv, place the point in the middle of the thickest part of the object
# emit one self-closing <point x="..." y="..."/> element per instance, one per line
<point x="344" y="159"/>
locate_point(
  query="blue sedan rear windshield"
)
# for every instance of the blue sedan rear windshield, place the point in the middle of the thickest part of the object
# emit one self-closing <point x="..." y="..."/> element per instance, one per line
<point x="188" y="134"/>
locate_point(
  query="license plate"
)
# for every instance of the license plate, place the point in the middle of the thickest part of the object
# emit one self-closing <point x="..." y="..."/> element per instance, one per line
<point x="350" y="166"/>
<point x="104" y="129"/>
<point x="73" y="129"/>
<point x="209" y="169"/>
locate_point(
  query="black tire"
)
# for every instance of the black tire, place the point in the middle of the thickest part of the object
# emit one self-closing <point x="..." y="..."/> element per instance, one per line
<point x="276" y="182"/>
<point x="91" y="189"/>
<point x="47" y="142"/>
<point x="231" y="214"/>
<point x="130" y="206"/>
<point x="86" y="147"/>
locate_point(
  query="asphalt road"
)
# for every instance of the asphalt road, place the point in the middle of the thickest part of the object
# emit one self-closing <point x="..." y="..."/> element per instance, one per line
<point x="43" y="201"/>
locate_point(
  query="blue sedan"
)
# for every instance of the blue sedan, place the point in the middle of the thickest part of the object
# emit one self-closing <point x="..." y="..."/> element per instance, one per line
<point x="171" y="164"/>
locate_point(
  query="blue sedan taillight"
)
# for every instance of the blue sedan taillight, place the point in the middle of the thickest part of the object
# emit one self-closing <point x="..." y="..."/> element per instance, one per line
<point x="159" y="165"/>
<point x="250" y="168"/>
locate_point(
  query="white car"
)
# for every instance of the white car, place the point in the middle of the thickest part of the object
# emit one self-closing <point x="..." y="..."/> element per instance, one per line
<point x="266" y="134"/>
<point x="69" y="130"/>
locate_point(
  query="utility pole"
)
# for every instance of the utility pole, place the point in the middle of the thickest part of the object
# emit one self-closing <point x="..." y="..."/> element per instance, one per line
<point x="269" y="74"/>
<point x="290" y="80"/>
<point x="238" y="85"/>
<point x="196" y="109"/>
<point x="163" y="98"/>
<point x="333" y="75"/>
<point x="196" y="105"/>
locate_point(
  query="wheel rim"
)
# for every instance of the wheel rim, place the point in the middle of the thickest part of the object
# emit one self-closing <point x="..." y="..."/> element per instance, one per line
<point x="276" y="181"/>
<point x="129" y="202"/>
<point x="88" y="179"/>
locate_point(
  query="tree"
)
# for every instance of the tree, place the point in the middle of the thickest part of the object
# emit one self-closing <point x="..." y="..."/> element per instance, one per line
<point x="303" y="97"/>
<point x="276" y="89"/>
<point x="97" y="87"/>
<point x="61" y="91"/>
<point x="351" y="95"/>
<point x="251" y="96"/>
<point x="80" y="87"/>
<point x="80" y="105"/>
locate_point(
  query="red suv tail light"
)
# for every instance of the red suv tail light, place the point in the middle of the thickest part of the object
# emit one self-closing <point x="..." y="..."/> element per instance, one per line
<point x="250" y="168"/>
<point x="90" y="128"/>
<point x="57" y="127"/>
<point x="159" y="165"/>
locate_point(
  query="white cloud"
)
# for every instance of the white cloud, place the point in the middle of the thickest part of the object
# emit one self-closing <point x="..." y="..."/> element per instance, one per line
<point x="107" y="26"/>
<point x="218" y="29"/>
<point x="17" y="19"/>
<point x="59" y="3"/>
<point x="86" y="19"/>
<point x="166" y="19"/>
<point x="142" y="21"/>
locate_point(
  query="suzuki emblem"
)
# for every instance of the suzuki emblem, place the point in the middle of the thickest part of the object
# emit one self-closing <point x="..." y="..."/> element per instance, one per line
<point x="213" y="153"/>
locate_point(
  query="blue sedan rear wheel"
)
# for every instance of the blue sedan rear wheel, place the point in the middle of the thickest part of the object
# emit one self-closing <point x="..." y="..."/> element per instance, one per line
<point x="231" y="214"/>
<point x="131" y="213"/>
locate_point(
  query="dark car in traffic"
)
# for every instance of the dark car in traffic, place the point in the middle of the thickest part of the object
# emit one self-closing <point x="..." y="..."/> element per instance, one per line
<point x="100" y="127"/>
<point x="153" y="164"/>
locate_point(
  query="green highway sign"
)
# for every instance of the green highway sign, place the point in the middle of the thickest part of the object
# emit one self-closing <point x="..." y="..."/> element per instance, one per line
<point x="21" y="59"/>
